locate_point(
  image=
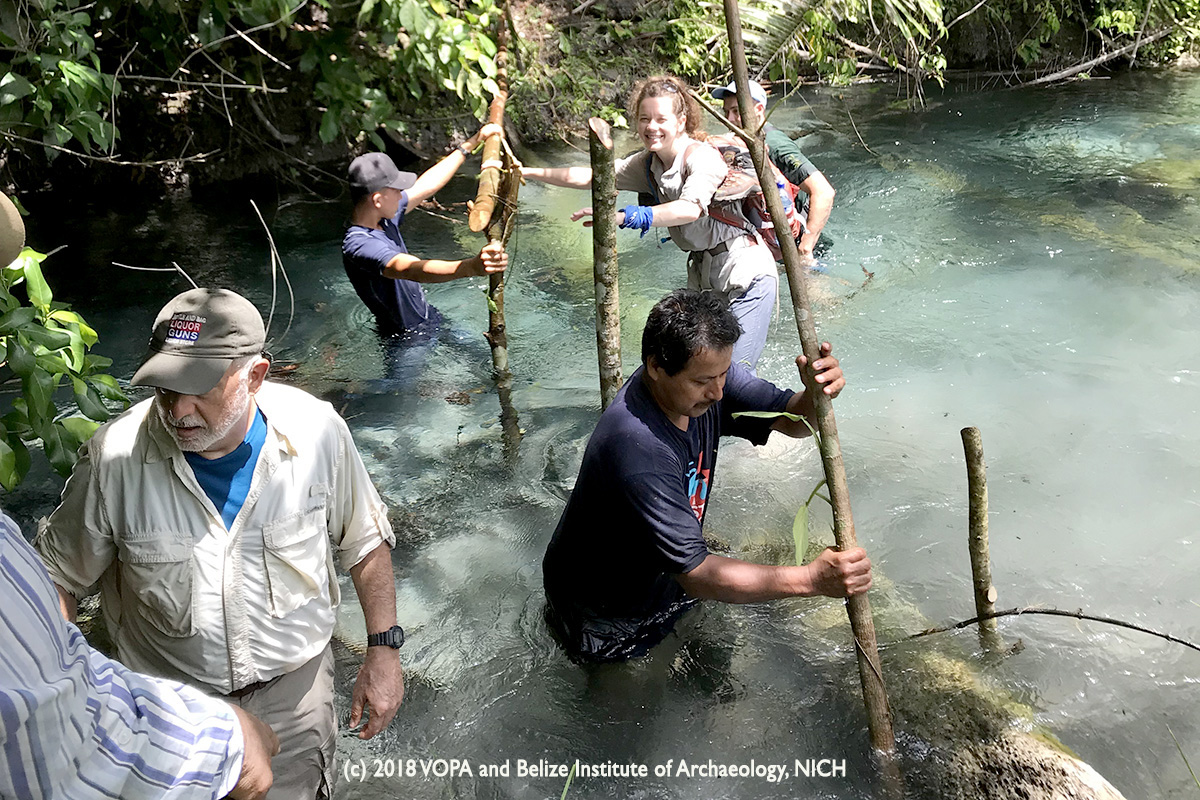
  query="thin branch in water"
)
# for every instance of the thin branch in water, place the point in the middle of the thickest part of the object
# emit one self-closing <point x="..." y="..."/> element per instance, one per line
<point x="276" y="261"/>
<point x="106" y="160"/>
<point x="966" y="14"/>
<point x="112" y="99"/>
<point x="1095" y="62"/>
<point x="1054" y="612"/>
<point x="724" y="120"/>
<point x="260" y="48"/>
<point x="1141" y="33"/>
<point x="173" y="268"/>
<point x="179" y="269"/>
<point x="1184" y="757"/>
<point x="856" y="133"/>
<point x="242" y="34"/>
<point x="204" y="84"/>
<point x="284" y="138"/>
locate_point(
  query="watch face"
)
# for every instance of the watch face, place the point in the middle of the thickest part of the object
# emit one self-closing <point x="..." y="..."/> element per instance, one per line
<point x="393" y="637"/>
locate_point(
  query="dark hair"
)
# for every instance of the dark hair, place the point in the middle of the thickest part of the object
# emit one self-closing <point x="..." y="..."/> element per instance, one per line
<point x="668" y="86"/>
<point x="685" y="322"/>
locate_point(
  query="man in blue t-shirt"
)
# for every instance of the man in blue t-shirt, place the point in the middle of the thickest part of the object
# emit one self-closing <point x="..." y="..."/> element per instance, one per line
<point x="383" y="272"/>
<point x="628" y="556"/>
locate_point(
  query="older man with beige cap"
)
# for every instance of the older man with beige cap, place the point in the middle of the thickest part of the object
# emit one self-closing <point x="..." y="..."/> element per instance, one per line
<point x="209" y="516"/>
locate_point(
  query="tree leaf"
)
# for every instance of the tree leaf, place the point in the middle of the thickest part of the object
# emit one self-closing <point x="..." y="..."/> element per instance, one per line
<point x="60" y="447"/>
<point x="89" y="401"/>
<point x="800" y="534"/>
<point x="12" y="88"/>
<point x="17" y="420"/>
<point x="81" y="428"/>
<point x="329" y="126"/>
<point x="39" y="392"/>
<point x="39" y="291"/>
<point x="48" y="338"/>
<point x="767" y="415"/>
<point x="108" y="388"/>
<point x="19" y="359"/>
<point x="54" y="364"/>
<point x="17" y="318"/>
<point x="8" y="463"/>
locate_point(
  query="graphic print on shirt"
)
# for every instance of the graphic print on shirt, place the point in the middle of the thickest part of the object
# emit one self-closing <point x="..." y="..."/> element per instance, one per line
<point x="698" y="478"/>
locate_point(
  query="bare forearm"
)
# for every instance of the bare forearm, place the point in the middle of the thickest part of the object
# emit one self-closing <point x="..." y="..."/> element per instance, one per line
<point x="568" y="177"/>
<point x="431" y="270"/>
<point x="375" y="584"/>
<point x="801" y="405"/>
<point x="820" y="204"/>
<point x="434" y="178"/>
<point x="67" y="603"/>
<point x="676" y="212"/>
<point x="732" y="581"/>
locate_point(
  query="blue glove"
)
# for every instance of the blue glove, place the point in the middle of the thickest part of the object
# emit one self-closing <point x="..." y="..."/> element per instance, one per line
<point x="639" y="217"/>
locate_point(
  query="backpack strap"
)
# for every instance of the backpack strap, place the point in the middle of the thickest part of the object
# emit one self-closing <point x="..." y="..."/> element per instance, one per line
<point x="687" y="153"/>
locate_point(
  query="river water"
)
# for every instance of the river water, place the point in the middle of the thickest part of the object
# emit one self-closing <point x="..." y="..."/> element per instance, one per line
<point x="1034" y="271"/>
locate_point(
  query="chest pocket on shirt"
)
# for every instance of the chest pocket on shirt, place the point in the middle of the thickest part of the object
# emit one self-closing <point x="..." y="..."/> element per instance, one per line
<point x="158" y="572"/>
<point x="299" y="561"/>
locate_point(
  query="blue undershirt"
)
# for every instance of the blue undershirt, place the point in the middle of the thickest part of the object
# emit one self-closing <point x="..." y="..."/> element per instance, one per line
<point x="226" y="480"/>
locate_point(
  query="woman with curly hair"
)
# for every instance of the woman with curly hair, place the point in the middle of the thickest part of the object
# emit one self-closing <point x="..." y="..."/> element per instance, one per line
<point x="676" y="176"/>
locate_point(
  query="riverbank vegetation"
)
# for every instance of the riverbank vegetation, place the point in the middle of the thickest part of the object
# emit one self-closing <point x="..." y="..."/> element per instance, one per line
<point x="177" y="90"/>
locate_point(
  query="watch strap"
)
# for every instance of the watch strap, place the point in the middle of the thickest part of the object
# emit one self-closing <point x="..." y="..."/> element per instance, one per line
<point x="393" y="637"/>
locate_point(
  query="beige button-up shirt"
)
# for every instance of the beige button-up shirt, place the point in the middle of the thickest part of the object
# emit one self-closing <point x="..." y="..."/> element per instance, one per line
<point x="183" y="596"/>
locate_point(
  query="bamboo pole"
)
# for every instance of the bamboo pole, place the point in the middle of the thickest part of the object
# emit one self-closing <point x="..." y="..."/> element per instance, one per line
<point x="862" y="624"/>
<point x="497" y="183"/>
<point x="604" y="259"/>
<point x="981" y="562"/>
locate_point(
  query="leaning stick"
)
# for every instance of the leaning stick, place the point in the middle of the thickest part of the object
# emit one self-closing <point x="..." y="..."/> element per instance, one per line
<point x="981" y="560"/>
<point x="498" y="184"/>
<point x="862" y="624"/>
<point x="604" y="259"/>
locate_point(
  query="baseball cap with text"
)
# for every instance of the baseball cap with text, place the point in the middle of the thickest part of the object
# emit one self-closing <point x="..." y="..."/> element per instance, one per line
<point x="757" y="93"/>
<point x="196" y="337"/>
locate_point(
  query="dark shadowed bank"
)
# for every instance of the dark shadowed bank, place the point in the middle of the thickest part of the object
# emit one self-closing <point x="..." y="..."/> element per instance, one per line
<point x="172" y="93"/>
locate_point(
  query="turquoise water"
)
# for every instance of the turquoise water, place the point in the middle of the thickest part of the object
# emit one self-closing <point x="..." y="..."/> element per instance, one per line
<point x="1035" y="273"/>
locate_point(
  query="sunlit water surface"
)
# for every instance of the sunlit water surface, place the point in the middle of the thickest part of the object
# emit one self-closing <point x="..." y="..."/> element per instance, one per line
<point x="1034" y="271"/>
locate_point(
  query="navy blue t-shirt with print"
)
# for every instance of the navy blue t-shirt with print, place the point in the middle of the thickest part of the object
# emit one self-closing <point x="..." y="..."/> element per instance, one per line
<point x="398" y="305"/>
<point x="633" y="521"/>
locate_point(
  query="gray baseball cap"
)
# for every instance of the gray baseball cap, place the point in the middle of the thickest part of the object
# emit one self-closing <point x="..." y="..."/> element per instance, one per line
<point x="757" y="93"/>
<point x="374" y="171"/>
<point x="196" y="337"/>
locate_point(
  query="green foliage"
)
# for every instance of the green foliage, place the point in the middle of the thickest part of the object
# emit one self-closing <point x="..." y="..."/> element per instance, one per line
<point x="367" y="66"/>
<point x="694" y="42"/>
<point x="46" y="346"/>
<point x="580" y="71"/>
<point x="800" y="523"/>
<point x="53" y="88"/>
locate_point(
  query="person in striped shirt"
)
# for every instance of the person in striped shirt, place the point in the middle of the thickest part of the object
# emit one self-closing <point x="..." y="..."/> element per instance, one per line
<point x="79" y="725"/>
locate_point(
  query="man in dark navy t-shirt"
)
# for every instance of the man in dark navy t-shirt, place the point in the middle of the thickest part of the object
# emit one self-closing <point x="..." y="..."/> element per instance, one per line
<point x="628" y="556"/>
<point x="383" y="272"/>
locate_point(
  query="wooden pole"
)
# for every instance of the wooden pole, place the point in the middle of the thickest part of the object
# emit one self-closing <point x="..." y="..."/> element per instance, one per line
<point x="862" y="624"/>
<point x="981" y="561"/>
<point x="498" y="184"/>
<point x="604" y="259"/>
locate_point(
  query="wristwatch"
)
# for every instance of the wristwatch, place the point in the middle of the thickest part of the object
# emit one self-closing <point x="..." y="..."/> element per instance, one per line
<point x="466" y="151"/>
<point x="393" y="637"/>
